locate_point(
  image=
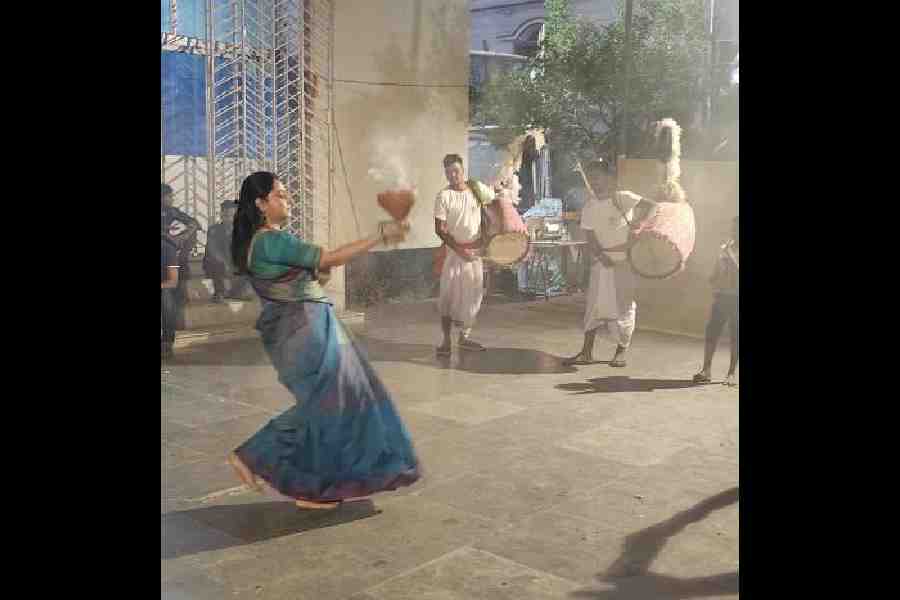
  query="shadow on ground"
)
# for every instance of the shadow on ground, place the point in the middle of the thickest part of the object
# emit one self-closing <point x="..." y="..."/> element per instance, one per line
<point x="498" y="361"/>
<point x="631" y="575"/>
<point x="387" y="351"/>
<point x="623" y="383"/>
<point x="495" y="361"/>
<point x="507" y="361"/>
<point x="233" y="353"/>
<point x="664" y="587"/>
<point x="219" y="527"/>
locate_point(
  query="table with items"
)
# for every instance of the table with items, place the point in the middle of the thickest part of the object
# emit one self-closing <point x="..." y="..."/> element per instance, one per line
<point x="546" y="271"/>
<point x="556" y="245"/>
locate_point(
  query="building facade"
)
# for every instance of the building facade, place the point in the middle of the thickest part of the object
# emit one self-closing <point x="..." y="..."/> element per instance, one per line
<point x="512" y="26"/>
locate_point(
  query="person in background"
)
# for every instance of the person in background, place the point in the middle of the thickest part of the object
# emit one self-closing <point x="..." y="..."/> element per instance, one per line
<point x="458" y="223"/>
<point x="181" y="229"/>
<point x="168" y="283"/>
<point x="217" y="259"/>
<point x="725" y="280"/>
<point x="608" y="218"/>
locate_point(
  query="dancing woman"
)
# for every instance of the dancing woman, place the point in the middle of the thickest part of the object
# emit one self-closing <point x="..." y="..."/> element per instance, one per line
<point x="343" y="438"/>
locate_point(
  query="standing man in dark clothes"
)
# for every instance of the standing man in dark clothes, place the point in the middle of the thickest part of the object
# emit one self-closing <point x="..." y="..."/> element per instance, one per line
<point x="168" y="283"/>
<point x="181" y="229"/>
<point x="217" y="262"/>
<point x="725" y="309"/>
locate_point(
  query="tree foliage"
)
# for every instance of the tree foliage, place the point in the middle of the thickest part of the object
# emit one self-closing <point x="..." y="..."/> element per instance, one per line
<point x="574" y="87"/>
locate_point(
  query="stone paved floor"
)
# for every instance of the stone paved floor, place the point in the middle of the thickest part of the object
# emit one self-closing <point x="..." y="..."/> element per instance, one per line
<point x="541" y="481"/>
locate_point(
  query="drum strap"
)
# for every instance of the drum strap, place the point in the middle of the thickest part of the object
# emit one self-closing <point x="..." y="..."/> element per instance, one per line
<point x="615" y="200"/>
<point x="485" y="238"/>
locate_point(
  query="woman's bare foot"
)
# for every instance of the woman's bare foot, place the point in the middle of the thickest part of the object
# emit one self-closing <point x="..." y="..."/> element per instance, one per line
<point x="730" y="381"/>
<point x="244" y="473"/>
<point x="444" y="349"/>
<point x="308" y="504"/>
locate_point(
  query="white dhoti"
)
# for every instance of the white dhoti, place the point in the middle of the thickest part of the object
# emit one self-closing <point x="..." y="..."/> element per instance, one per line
<point x="611" y="308"/>
<point x="462" y="289"/>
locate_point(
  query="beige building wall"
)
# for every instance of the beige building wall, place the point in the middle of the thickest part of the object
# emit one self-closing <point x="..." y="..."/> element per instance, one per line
<point x="681" y="304"/>
<point x="401" y="131"/>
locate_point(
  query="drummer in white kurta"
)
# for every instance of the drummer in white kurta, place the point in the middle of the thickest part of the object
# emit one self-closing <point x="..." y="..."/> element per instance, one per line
<point x="610" y="300"/>
<point x="457" y="221"/>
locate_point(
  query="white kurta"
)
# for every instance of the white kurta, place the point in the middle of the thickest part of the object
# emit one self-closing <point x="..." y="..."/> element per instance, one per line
<point x="610" y="304"/>
<point x="462" y="283"/>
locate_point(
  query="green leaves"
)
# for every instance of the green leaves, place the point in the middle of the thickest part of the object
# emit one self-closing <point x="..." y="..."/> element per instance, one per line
<point x="574" y="91"/>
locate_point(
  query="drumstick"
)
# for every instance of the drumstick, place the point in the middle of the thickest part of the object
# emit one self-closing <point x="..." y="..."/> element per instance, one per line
<point x="584" y="178"/>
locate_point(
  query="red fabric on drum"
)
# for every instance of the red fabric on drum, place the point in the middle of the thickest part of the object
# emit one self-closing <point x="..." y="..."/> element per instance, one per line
<point x="502" y="215"/>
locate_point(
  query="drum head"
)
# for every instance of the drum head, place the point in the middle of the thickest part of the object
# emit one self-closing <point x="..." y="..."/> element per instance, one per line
<point x="507" y="248"/>
<point x="654" y="257"/>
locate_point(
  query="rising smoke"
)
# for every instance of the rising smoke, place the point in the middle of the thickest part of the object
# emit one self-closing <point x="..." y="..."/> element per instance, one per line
<point x="389" y="168"/>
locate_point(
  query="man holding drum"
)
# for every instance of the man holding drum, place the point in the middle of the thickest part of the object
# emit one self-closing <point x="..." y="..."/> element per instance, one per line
<point x="608" y="218"/>
<point x="457" y="221"/>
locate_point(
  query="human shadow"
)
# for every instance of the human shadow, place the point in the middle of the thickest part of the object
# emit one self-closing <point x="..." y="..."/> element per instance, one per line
<point x="495" y="361"/>
<point x="624" y="383"/>
<point x="231" y="353"/>
<point x="665" y="587"/>
<point x="389" y="351"/>
<point x="498" y="361"/>
<point x="631" y="574"/>
<point x="218" y="527"/>
<point x="509" y="361"/>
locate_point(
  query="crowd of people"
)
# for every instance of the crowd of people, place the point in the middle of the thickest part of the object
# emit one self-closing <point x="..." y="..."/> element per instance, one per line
<point x="179" y="237"/>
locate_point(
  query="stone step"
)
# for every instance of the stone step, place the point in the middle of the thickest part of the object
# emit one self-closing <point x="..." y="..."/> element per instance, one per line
<point x="213" y="335"/>
<point x="200" y="289"/>
<point x="202" y="314"/>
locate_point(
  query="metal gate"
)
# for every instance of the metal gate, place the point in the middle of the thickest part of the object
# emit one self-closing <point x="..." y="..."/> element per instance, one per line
<point x="267" y="105"/>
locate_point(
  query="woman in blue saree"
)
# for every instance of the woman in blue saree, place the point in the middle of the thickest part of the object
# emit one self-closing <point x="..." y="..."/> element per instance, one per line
<point x="343" y="438"/>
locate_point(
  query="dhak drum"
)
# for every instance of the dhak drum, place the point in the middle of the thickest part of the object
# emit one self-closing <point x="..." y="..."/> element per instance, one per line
<point x="664" y="242"/>
<point x="506" y="249"/>
<point x="508" y="238"/>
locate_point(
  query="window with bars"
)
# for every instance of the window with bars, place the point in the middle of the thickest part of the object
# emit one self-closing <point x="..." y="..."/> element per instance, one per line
<point x="233" y="106"/>
<point x="527" y="43"/>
